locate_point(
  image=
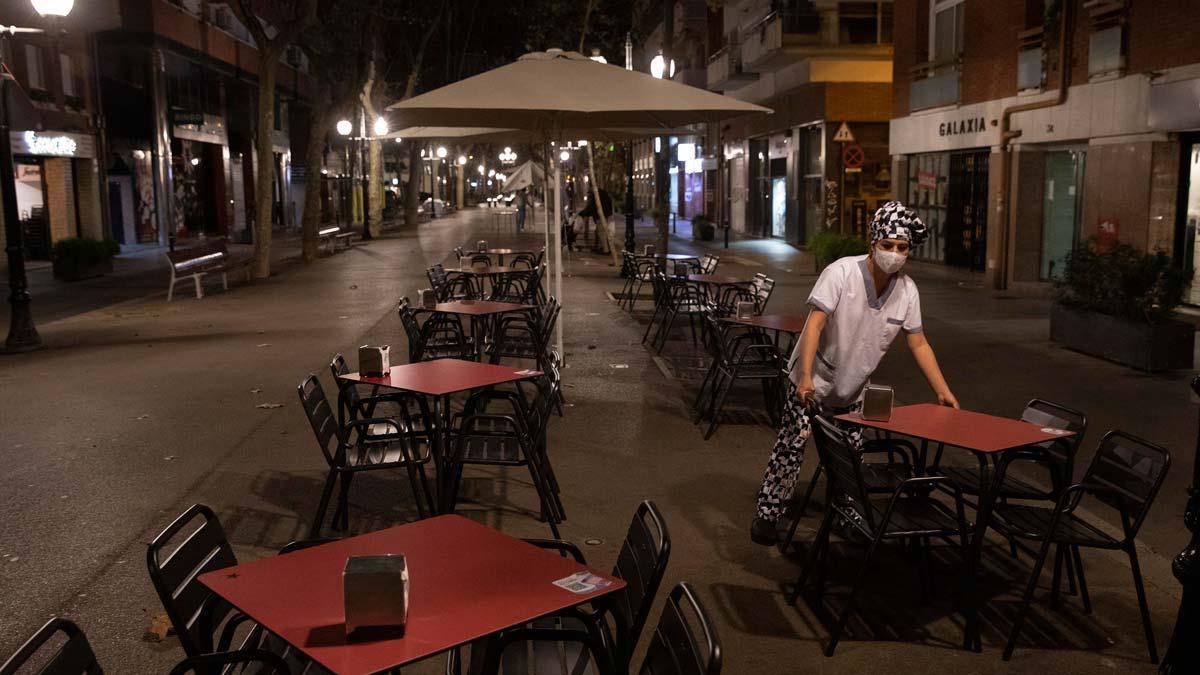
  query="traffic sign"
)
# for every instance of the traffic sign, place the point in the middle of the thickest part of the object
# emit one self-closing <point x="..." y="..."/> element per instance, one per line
<point x="843" y="135"/>
<point x="853" y="156"/>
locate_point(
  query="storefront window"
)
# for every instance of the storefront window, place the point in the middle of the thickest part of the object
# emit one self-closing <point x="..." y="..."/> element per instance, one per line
<point x="949" y="192"/>
<point x="1191" y="221"/>
<point x="928" y="179"/>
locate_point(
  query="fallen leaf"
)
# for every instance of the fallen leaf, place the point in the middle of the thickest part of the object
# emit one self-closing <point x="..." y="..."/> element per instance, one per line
<point x="168" y="458"/>
<point x="265" y="344"/>
<point x="143" y="417"/>
<point x="269" y="406"/>
<point x="256" y="390"/>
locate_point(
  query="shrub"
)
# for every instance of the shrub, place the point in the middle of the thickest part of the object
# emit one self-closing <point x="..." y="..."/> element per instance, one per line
<point x="827" y="246"/>
<point x="83" y="252"/>
<point x="703" y="228"/>
<point x="1121" y="281"/>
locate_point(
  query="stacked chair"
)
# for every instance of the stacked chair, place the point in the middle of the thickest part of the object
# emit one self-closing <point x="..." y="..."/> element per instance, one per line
<point x="449" y="286"/>
<point x="502" y="427"/>
<point x="525" y="336"/>
<point x="739" y="353"/>
<point x="637" y="270"/>
<point x="442" y="336"/>
<point x="675" y="297"/>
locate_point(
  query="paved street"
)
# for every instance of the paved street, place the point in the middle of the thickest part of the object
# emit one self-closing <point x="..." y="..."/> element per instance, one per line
<point x="137" y="410"/>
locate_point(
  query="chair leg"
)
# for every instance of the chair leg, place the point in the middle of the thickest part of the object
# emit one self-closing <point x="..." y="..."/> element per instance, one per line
<point x="199" y="288"/>
<point x="414" y="484"/>
<point x="326" y="493"/>
<point x="854" y="591"/>
<point x="718" y="405"/>
<point x="1056" y="578"/>
<point x="1141" y="595"/>
<point x="341" y="515"/>
<point x="812" y="485"/>
<point x="696" y="406"/>
<point x="1083" y="590"/>
<point x="1026" y="599"/>
<point x="818" y="543"/>
<point x="171" y="290"/>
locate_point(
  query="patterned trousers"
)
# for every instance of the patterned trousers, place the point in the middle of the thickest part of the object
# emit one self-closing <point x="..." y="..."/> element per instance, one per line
<point x="783" y="468"/>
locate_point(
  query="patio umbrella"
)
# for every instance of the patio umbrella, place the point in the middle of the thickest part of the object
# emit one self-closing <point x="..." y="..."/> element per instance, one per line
<point x="554" y="91"/>
<point x="523" y="176"/>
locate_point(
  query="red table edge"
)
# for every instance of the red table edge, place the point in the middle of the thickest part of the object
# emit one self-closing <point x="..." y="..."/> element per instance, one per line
<point x="616" y="585"/>
<point x="361" y="379"/>
<point x="857" y="418"/>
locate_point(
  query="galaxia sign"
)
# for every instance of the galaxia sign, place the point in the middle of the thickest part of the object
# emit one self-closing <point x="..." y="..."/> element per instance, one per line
<point x="63" y="146"/>
<point x="970" y="125"/>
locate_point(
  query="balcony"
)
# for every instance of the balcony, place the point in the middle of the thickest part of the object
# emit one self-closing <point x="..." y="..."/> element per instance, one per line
<point x="934" y="85"/>
<point x="777" y="41"/>
<point x="725" y="70"/>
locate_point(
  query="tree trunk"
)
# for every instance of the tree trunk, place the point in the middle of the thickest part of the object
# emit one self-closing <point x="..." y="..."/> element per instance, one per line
<point x="265" y="163"/>
<point x="313" y="183"/>
<point x="375" y="188"/>
<point x="601" y="231"/>
<point x="412" y="195"/>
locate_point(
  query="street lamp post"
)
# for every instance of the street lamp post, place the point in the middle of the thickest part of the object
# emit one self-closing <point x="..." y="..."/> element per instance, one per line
<point x="1183" y="654"/>
<point x="22" y="334"/>
<point x="630" y="240"/>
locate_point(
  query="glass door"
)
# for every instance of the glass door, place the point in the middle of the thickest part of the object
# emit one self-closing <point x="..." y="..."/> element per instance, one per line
<point x="1060" y="210"/>
<point x="1190" y="217"/>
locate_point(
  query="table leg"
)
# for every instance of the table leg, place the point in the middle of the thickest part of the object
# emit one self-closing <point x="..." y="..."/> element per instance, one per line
<point x="987" y="501"/>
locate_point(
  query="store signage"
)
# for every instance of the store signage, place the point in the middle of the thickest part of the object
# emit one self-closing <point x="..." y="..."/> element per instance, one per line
<point x="970" y="125"/>
<point x="926" y="180"/>
<point x="193" y="118"/>
<point x="60" y="146"/>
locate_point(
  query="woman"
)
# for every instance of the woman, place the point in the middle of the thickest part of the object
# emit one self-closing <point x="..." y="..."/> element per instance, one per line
<point x="858" y="306"/>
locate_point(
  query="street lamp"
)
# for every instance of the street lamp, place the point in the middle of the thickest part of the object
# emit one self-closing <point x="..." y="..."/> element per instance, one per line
<point x="381" y="126"/>
<point x="597" y="56"/>
<point x="481" y="169"/>
<point x="344" y="127"/>
<point x="22" y="334"/>
<point x="462" y="160"/>
<point x="441" y="152"/>
<point x="656" y="67"/>
<point x="564" y="155"/>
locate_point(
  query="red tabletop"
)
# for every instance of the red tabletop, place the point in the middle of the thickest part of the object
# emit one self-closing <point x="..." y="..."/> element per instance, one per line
<point x="974" y="431"/>
<point x="783" y="322"/>
<point x="444" y="376"/>
<point x="726" y="279"/>
<point x="505" y="251"/>
<point x="466" y="581"/>
<point x="478" y="307"/>
<point x="494" y="269"/>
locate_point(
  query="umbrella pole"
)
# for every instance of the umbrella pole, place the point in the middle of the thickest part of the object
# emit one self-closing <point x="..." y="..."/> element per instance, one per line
<point x="558" y="252"/>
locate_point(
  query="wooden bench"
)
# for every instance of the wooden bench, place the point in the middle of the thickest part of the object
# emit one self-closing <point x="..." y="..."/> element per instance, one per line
<point x="333" y="235"/>
<point x="196" y="262"/>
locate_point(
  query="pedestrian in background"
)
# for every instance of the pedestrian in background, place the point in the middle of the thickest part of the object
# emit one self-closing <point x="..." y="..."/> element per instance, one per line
<point x="522" y="203"/>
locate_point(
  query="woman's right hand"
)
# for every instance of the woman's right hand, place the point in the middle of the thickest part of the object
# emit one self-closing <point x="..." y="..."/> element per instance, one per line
<point x="805" y="390"/>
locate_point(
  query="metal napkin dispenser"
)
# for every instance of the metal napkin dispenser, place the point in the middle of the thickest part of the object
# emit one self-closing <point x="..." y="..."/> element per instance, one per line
<point x="374" y="361"/>
<point x="427" y="299"/>
<point x="745" y="309"/>
<point x="481" y="246"/>
<point x="648" y="249"/>
<point x="376" y="595"/>
<point x="877" y="403"/>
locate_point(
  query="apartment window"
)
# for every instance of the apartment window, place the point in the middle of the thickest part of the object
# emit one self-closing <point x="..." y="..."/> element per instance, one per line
<point x="946" y="30"/>
<point x="35" y="67"/>
<point x="68" y="75"/>
<point x="1106" y="45"/>
<point x="865" y="23"/>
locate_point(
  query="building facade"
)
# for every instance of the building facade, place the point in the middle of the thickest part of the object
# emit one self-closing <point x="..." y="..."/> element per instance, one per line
<point x="55" y="138"/>
<point x="179" y="81"/>
<point x="820" y="162"/>
<point x="1014" y="160"/>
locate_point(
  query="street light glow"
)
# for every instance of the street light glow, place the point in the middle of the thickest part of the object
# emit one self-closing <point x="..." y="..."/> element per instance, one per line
<point x="491" y="173"/>
<point x="564" y="155"/>
<point x="381" y="126"/>
<point x="481" y="169"/>
<point x="397" y="139"/>
<point x="53" y="7"/>
<point x="656" y="67"/>
<point x="441" y="152"/>
<point x="597" y="56"/>
<point x="195" y="161"/>
<point x="344" y="127"/>
<point x="462" y="160"/>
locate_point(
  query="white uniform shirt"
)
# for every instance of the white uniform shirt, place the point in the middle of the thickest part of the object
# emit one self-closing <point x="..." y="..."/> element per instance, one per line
<point x="859" y="329"/>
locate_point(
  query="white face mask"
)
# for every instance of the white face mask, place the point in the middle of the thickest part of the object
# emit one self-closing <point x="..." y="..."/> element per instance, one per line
<point x="890" y="261"/>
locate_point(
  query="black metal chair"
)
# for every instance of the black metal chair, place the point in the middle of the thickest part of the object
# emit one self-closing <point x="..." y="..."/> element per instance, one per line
<point x="1124" y="476"/>
<point x="525" y="336"/>
<point x="193" y="544"/>
<point x="684" y="642"/>
<point x="410" y="410"/>
<point x="738" y="354"/>
<point x="442" y="336"/>
<point x="450" y="285"/>
<point x="358" y="445"/>
<point x="257" y="661"/>
<point x="642" y="270"/>
<point x="708" y="265"/>
<point x="58" y="648"/>
<point x="515" y="438"/>
<point x="685" y="298"/>
<point x="910" y="514"/>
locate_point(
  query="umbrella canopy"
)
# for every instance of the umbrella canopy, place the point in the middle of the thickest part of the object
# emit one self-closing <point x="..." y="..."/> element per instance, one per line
<point x="500" y="135"/>
<point x="556" y="90"/>
<point x="523" y="176"/>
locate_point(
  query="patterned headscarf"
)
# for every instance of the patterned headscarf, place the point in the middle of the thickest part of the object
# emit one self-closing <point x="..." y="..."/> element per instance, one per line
<point x="894" y="220"/>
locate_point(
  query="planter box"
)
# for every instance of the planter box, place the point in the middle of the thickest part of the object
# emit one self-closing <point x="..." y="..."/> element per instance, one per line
<point x="1165" y="346"/>
<point x="70" y="270"/>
